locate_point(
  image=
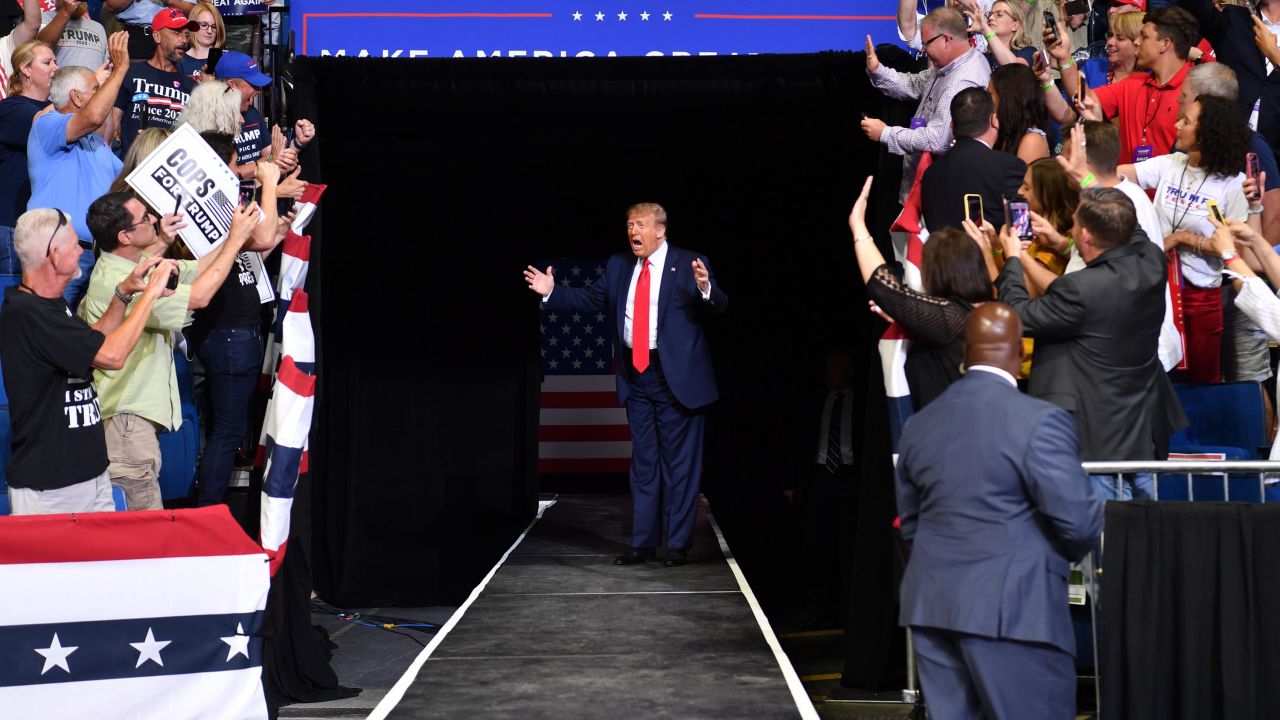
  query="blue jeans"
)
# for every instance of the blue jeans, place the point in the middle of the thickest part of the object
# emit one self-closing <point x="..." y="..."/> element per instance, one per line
<point x="1134" y="485"/>
<point x="232" y="359"/>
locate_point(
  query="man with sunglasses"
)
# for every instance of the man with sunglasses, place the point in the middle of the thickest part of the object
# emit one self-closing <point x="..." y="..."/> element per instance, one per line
<point x="69" y="161"/>
<point x="141" y="399"/>
<point x="156" y="91"/>
<point x="136" y="15"/>
<point x="953" y="66"/>
<point x="59" y="457"/>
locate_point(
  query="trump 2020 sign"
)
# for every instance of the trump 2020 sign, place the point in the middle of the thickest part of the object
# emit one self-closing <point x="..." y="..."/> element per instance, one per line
<point x="585" y="28"/>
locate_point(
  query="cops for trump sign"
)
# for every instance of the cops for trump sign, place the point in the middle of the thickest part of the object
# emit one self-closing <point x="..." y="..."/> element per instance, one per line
<point x="185" y="173"/>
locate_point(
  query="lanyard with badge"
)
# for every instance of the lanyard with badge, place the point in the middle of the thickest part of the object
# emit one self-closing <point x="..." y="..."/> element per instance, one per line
<point x="1145" y="150"/>
<point x="919" y="122"/>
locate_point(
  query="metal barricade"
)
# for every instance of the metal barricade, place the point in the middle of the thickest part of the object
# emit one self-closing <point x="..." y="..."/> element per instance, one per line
<point x="1189" y="468"/>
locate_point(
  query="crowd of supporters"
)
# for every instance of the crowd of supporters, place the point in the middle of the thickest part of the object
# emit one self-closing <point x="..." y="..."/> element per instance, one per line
<point x="99" y="289"/>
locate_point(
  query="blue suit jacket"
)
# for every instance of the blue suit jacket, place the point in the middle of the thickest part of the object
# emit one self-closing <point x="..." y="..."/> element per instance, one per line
<point x="991" y="491"/>
<point x="682" y="345"/>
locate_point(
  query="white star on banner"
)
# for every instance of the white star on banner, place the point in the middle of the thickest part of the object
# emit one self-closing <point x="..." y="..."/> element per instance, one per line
<point x="56" y="656"/>
<point x="666" y="16"/>
<point x="600" y="364"/>
<point x="599" y="317"/>
<point x="552" y="341"/>
<point x="237" y="644"/>
<point x="565" y="329"/>
<point x="577" y="342"/>
<point x="644" y="16"/>
<point x="576" y="271"/>
<point x="588" y="329"/>
<point x="149" y="649"/>
<point x="553" y="364"/>
<point x="588" y="352"/>
<point x="599" y="341"/>
<point x="565" y="282"/>
<point x="622" y="15"/>
<point x="565" y="352"/>
<point x="599" y="269"/>
<point x="599" y="17"/>
<point x="577" y="16"/>
<point x="577" y="317"/>
<point x="553" y="317"/>
<point x="577" y="364"/>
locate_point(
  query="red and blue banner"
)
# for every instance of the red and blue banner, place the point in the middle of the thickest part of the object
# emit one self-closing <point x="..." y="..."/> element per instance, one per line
<point x="146" y="614"/>
<point x="569" y="28"/>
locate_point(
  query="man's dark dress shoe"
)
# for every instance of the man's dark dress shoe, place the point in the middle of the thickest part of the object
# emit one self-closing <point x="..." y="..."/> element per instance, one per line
<point x="634" y="556"/>
<point x="676" y="558"/>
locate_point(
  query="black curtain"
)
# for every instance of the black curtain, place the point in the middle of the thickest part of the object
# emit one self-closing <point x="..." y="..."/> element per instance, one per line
<point x="449" y="176"/>
<point x="1190" y="605"/>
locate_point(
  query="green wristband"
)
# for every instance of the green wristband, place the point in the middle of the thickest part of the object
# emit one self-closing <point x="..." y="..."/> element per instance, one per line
<point x="1070" y="63"/>
<point x="1088" y="180"/>
<point x="1048" y="85"/>
<point x="988" y="35"/>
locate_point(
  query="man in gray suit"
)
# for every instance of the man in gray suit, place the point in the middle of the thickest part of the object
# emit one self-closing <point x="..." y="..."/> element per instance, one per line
<point x="993" y="498"/>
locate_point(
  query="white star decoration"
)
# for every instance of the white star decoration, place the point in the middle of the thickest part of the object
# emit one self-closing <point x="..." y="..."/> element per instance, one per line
<point x="666" y="16"/>
<point x="599" y="17"/>
<point x="237" y="644"/>
<point x="599" y="363"/>
<point x="576" y="271"/>
<point x="622" y="15"/>
<point x="553" y="364"/>
<point x="149" y="649"/>
<point x="56" y="655"/>
<point x="644" y="16"/>
<point x="577" y="16"/>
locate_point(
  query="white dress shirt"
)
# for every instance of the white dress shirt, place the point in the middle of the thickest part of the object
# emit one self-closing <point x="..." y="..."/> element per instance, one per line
<point x="994" y="371"/>
<point x="656" y="271"/>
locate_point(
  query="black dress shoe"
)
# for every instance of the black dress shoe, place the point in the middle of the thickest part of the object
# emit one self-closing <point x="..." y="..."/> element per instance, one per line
<point x="634" y="556"/>
<point x="676" y="558"/>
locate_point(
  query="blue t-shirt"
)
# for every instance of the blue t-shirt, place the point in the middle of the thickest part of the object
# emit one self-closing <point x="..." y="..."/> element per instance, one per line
<point x="16" y="114"/>
<point x="1027" y="53"/>
<point x="1266" y="160"/>
<point x="192" y="67"/>
<point x="140" y="12"/>
<point x="68" y="176"/>
<point x="150" y="98"/>
<point x="254" y="137"/>
<point x="1095" y="71"/>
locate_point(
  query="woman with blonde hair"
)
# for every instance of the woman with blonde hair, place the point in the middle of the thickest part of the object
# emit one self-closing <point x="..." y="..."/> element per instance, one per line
<point x="145" y="144"/>
<point x="210" y="34"/>
<point x="214" y="106"/>
<point x="33" y="67"/>
<point x="1004" y="27"/>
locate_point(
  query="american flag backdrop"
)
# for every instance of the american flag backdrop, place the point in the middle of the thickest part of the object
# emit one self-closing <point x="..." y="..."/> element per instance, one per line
<point x="581" y="427"/>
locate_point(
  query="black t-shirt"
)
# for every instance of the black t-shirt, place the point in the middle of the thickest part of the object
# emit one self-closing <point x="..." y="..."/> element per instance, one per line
<point x="16" y="115"/>
<point x="157" y="95"/>
<point x="48" y="371"/>
<point x="236" y="304"/>
<point x="254" y="137"/>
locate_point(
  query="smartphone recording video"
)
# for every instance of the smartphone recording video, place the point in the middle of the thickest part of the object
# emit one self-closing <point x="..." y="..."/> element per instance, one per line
<point x="1020" y="219"/>
<point x="973" y="208"/>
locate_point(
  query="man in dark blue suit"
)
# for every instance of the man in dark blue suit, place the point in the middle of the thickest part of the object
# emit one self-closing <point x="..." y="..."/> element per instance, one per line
<point x="657" y="296"/>
<point x="992" y="495"/>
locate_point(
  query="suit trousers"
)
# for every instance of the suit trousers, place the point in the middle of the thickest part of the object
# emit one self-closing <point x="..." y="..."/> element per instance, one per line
<point x="968" y="676"/>
<point x="829" y="512"/>
<point x="666" y="460"/>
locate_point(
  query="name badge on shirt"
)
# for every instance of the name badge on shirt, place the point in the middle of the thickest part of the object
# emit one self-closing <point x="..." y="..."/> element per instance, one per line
<point x="918" y="122"/>
<point x="1142" y="152"/>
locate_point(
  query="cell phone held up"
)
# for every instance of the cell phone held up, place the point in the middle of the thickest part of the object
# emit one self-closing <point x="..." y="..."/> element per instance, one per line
<point x="1252" y="168"/>
<point x="1020" y="219"/>
<point x="1052" y="24"/>
<point x="1216" y="212"/>
<point x="973" y="209"/>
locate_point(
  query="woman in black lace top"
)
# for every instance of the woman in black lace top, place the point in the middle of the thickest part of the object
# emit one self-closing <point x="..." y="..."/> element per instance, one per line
<point x="955" y="279"/>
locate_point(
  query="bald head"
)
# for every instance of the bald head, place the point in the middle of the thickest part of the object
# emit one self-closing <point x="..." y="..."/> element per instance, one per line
<point x="993" y="337"/>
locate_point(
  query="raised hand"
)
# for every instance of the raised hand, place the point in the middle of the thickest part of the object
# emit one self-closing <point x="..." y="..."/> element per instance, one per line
<point x="858" y="216"/>
<point x="170" y="225"/>
<point x="1089" y="110"/>
<point x="540" y="282"/>
<point x="136" y="281"/>
<point x="977" y="234"/>
<point x="266" y="172"/>
<point x="873" y="62"/>
<point x="1077" y="165"/>
<point x="701" y="277"/>
<point x="157" y="284"/>
<point x="1010" y="244"/>
<point x="304" y="131"/>
<point x="1047" y="233"/>
<point x="118" y="51"/>
<point x="1253" y="189"/>
<point x="244" y="221"/>
<point x="291" y="186"/>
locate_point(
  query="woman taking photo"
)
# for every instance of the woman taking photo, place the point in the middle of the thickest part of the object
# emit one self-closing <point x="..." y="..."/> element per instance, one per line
<point x="1214" y="139"/>
<point x="1052" y="198"/>
<point x="211" y="33"/>
<point x="955" y="280"/>
<point x="1003" y="26"/>
<point x="33" y="69"/>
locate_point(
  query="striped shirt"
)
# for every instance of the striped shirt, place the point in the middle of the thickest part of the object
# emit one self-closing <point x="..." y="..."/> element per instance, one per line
<point x="934" y="88"/>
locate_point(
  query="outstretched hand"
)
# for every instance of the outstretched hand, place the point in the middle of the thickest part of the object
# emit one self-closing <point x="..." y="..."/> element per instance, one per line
<point x="701" y="276"/>
<point x="858" y="216"/>
<point x="873" y="62"/>
<point x="540" y="282"/>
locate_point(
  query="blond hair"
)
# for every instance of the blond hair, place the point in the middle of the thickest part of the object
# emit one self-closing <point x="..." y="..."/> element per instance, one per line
<point x="23" y="56"/>
<point x="1128" y="28"/>
<point x="220" y="37"/>
<point x="143" y="145"/>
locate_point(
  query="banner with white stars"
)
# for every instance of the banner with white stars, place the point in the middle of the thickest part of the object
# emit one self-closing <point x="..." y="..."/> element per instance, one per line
<point x="581" y="427"/>
<point x="149" y="614"/>
<point x="586" y="28"/>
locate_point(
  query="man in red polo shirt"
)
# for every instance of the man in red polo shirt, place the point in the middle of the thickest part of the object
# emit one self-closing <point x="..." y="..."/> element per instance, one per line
<point x="1146" y="103"/>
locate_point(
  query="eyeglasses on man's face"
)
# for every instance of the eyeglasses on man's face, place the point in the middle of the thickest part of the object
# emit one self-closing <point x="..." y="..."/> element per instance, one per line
<point x="930" y="40"/>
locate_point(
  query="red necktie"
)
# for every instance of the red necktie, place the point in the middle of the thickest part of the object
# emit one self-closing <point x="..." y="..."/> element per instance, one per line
<point x="640" y="321"/>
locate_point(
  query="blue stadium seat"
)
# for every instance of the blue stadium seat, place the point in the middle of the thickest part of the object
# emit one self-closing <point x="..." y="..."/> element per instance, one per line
<point x="1228" y="419"/>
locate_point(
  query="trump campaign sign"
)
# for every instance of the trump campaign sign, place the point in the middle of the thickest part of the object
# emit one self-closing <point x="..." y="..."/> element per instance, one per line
<point x="592" y="28"/>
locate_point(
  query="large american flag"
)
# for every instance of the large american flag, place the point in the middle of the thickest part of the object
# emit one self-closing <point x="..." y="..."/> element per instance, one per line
<point x="581" y="427"/>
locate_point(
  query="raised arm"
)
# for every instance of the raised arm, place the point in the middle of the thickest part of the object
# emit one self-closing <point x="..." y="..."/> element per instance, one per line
<point x="52" y="32"/>
<point x="1056" y="314"/>
<point x="908" y="24"/>
<point x="122" y="331"/>
<point x="90" y="117"/>
<point x="864" y="247"/>
<point x="30" y="25"/>
<point x="214" y="267"/>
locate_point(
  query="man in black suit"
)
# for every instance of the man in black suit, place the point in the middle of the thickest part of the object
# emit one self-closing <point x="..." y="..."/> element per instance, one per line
<point x="1096" y="333"/>
<point x="971" y="166"/>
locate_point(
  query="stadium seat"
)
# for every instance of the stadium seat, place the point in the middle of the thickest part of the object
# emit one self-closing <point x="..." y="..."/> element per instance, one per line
<point x="1228" y="422"/>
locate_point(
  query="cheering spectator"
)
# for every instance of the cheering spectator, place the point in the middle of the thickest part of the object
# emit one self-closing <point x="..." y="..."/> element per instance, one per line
<point x="210" y="33"/>
<point x="1052" y="198"/>
<point x="954" y="67"/>
<point x="1214" y="139"/>
<point x="911" y="21"/>
<point x="23" y="33"/>
<point x="70" y="163"/>
<point x="214" y="106"/>
<point x="253" y="139"/>
<point x="35" y="66"/>
<point x="1145" y="103"/>
<point x="141" y="397"/>
<point x="59" y="452"/>
<point x="136" y="16"/>
<point x="1003" y="28"/>
<point x="971" y="167"/>
<point x="155" y="92"/>
<point x="1121" y="59"/>
<point x="1089" y="158"/>
<point x="955" y="280"/>
<point x="148" y="140"/>
<point x="1230" y="29"/>
<point x="77" y="38"/>
<point x="1015" y="90"/>
<point x="1096" y="334"/>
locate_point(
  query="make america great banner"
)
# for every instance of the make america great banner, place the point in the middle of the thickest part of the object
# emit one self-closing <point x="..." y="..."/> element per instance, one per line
<point x="586" y="28"/>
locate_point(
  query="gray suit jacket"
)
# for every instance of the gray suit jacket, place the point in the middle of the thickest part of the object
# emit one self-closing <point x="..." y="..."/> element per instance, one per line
<point x="991" y="493"/>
